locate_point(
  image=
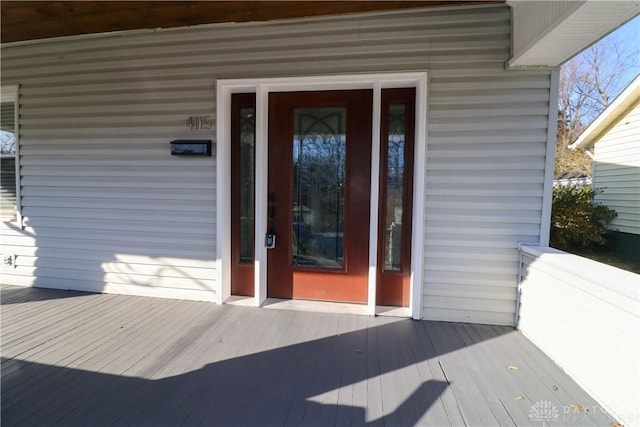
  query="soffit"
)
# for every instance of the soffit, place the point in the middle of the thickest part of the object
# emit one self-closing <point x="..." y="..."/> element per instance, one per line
<point x="34" y="20"/>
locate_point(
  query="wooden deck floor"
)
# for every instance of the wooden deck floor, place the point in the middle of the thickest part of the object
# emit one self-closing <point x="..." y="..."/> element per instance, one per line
<point x="78" y="359"/>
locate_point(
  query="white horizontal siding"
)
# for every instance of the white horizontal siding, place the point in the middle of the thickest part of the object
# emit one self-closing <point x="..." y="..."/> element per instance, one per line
<point x="617" y="171"/>
<point x="100" y="188"/>
<point x="106" y="207"/>
<point x="485" y="171"/>
<point x="585" y="314"/>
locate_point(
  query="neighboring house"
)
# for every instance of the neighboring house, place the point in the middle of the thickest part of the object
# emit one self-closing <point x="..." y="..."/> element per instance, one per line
<point x="613" y="141"/>
<point x="466" y="92"/>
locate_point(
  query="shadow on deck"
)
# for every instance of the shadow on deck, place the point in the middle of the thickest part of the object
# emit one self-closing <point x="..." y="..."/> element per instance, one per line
<point x="104" y="360"/>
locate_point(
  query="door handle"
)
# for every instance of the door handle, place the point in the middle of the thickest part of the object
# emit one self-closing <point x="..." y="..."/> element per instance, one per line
<point x="270" y="237"/>
<point x="270" y="240"/>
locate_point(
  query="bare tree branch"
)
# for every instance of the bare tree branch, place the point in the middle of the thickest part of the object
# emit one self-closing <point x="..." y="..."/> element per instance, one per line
<point x="588" y="84"/>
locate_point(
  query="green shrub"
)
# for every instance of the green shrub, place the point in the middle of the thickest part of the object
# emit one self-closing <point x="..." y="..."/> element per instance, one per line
<point x="576" y="220"/>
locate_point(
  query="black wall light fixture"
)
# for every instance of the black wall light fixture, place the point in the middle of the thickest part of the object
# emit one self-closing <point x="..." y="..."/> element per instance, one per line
<point x="191" y="147"/>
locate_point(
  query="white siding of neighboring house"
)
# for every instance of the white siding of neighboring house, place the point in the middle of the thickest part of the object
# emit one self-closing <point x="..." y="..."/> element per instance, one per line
<point x="107" y="208"/>
<point x="617" y="171"/>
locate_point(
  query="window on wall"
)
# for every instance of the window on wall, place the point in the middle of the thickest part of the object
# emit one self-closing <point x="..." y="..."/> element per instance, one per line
<point x="8" y="154"/>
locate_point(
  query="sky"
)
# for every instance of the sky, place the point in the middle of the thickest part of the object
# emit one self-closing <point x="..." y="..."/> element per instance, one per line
<point x="623" y="44"/>
<point x="629" y="35"/>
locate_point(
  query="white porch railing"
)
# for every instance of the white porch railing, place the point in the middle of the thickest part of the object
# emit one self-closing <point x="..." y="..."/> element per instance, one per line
<point x="586" y="316"/>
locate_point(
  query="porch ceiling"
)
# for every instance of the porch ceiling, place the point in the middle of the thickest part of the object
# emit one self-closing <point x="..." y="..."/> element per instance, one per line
<point x="32" y="20"/>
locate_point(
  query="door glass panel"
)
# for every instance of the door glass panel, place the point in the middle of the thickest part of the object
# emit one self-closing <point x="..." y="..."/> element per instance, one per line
<point x="395" y="188"/>
<point x="247" y="183"/>
<point x="319" y="150"/>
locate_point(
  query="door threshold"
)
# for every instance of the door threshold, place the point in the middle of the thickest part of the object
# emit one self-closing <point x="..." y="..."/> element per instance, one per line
<point x="240" y="300"/>
<point x="392" y="311"/>
<point x="334" y="307"/>
<point x="318" y="306"/>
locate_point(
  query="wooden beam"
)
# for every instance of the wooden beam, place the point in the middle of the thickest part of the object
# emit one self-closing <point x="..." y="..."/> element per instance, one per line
<point x="31" y="20"/>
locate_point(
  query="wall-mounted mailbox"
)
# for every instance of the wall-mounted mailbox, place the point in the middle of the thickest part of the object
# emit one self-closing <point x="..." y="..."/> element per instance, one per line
<point x="191" y="147"/>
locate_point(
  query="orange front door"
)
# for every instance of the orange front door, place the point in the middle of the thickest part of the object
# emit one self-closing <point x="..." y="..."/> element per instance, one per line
<point x="319" y="194"/>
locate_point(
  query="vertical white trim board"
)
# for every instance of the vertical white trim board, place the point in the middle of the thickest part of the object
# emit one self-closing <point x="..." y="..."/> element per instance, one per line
<point x="416" y="282"/>
<point x="545" y="220"/>
<point x="375" y="197"/>
<point x="262" y="88"/>
<point x="261" y="199"/>
<point x="223" y="206"/>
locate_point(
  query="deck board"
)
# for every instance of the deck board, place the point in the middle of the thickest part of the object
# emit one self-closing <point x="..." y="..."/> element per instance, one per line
<point x="508" y="389"/>
<point x="153" y="346"/>
<point x="60" y="355"/>
<point x="32" y="332"/>
<point x="478" y="372"/>
<point x="462" y="382"/>
<point x="551" y="376"/>
<point x="447" y="399"/>
<point x="73" y="358"/>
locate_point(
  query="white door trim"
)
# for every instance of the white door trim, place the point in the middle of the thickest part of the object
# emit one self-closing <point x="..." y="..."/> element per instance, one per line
<point x="262" y="88"/>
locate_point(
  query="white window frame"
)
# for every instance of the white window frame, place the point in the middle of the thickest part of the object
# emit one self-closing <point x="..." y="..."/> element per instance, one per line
<point x="12" y="94"/>
<point x="262" y="88"/>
